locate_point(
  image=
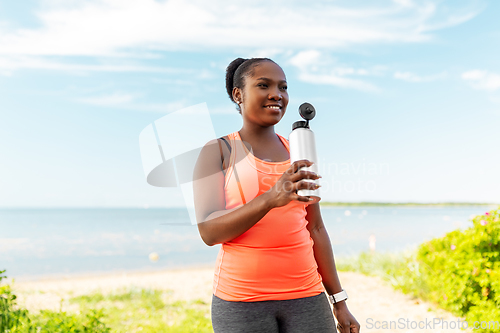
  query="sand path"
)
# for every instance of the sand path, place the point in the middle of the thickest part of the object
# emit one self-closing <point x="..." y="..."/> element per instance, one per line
<point x="371" y="300"/>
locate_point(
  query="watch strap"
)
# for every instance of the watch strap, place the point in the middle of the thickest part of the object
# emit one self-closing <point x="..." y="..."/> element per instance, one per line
<point x="338" y="297"/>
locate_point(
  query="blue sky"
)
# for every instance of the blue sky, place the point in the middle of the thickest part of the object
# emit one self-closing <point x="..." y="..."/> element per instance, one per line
<point x="407" y="93"/>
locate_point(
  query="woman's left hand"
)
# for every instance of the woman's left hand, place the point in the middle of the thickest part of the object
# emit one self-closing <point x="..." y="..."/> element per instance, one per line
<point x="346" y="323"/>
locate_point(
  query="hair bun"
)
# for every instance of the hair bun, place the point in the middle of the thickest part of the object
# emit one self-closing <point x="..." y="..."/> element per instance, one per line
<point x="230" y="70"/>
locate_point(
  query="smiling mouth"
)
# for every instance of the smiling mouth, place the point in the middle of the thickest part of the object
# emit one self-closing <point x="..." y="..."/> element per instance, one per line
<point x="273" y="107"/>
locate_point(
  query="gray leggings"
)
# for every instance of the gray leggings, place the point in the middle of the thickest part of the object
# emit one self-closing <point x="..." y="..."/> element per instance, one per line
<point x="301" y="315"/>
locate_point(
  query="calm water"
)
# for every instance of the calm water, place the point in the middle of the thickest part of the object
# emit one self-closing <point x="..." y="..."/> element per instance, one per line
<point x="68" y="241"/>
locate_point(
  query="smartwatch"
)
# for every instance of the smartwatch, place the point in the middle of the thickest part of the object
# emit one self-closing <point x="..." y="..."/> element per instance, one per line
<point x="338" y="297"/>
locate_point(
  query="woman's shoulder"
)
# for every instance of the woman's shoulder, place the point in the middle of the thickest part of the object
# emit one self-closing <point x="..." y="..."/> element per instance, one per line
<point x="217" y="151"/>
<point x="281" y="136"/>
<point x="284" y="140"/>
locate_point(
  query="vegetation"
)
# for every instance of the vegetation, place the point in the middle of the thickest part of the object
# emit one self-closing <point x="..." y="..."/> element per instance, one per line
<point x="460" y="272"/>
<point x="147" y="310"/>
<point x="16" y="320"/>
<point x="134" y="310"/>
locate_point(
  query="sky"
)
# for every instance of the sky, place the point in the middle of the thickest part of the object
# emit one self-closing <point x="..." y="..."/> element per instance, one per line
<point x="407" y="93"/>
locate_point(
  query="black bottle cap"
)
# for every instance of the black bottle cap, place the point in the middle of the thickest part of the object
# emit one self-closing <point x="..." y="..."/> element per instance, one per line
<point x="307" y="111"/>
<point x="300" y="124"/>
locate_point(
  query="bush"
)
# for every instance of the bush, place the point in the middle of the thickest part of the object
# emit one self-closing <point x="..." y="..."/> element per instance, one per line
<point x="15" y="320"/>
<point x="131" y="310"/>
<point x="9" y="317"/>
<point x="462" y="270"/>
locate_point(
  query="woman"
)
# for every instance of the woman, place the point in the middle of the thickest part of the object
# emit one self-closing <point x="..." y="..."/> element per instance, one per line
<point x="276" y="259"/>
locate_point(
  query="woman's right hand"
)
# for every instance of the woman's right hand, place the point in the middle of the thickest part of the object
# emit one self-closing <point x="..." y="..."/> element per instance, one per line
<point x="285" y="189"/>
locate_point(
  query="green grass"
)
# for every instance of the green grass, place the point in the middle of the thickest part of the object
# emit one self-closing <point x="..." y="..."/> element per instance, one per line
<point x="14" y="319"/>
<point x="147" y="310"/>
<point x="400" y="270"/>
<point x="128" y="310"/>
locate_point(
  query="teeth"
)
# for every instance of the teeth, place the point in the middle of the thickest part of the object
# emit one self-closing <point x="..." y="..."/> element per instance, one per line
<point x="274" y="107"/>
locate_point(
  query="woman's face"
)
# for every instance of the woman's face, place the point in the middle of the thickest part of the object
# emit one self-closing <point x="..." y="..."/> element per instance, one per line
<point x="264" y="97"/>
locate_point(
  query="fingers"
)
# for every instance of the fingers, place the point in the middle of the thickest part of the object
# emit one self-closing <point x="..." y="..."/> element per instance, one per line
<point x="345" y="328"/>
<point x="300" y="198"/>
<point x="305" y="185"/>
<point x="303" y="174"/>
<point x="297" y="174"/>
<point x="295" y="179"/>
<point x="348" y="327"/>
<point x="299" y="164"/>
<point x="355" y="326"/>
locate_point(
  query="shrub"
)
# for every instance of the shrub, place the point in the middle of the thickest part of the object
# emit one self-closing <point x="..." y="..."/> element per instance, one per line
<point x="16" y="320"/>
<point x="9" y="317"/>
<point x="462" y="270"/>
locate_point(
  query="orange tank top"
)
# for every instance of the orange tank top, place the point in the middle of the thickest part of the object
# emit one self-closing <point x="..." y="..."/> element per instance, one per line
<point x="274" y="259"/>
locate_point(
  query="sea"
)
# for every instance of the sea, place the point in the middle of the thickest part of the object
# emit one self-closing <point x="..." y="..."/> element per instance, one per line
<point x="40" y="243"/>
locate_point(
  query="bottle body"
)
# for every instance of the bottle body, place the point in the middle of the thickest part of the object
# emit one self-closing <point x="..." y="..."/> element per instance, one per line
<point x="303" y="146"/>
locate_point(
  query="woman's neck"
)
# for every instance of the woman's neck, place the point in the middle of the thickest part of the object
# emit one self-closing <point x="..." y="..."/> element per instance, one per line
<point x="257" y="134"/>
<point x="265" y="143"/>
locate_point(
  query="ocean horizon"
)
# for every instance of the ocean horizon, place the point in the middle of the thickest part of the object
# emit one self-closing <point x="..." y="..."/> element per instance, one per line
<point x="44" y="242"/>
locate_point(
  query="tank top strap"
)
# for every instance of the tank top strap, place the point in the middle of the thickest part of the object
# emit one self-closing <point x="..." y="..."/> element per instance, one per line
<point x="233" y="142"/>
<point x="236" y="154"/>
<point x="285" y="142"/>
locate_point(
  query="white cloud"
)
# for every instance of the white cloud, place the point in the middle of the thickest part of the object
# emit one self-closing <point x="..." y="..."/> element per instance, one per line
<point x="129" y="102"/>
<point x="114" y="99"/>
<point x="337" y="80"/>
<point x="404" y="3"/>
<point x="482" y="80"/>
<point x="316" y="67"/>
<point x="306" y="59"/>
<point x="412" y="77"/>
<point x="440" y="17"/>
<point x="11" y="63"/>
<point x="7" y="244"/>
<point x="266" y="53"/>
<point x="118" y="27"/>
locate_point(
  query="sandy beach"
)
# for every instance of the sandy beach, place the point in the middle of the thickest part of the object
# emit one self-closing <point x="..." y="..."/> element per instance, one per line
<point x="371" y="300"/>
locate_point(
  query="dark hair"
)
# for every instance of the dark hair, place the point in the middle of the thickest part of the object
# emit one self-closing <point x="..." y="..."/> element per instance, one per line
<point x="236" y="71"/>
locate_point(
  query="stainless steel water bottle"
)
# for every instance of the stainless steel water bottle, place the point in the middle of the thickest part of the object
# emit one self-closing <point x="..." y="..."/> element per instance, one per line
<point x="303" y="146"/>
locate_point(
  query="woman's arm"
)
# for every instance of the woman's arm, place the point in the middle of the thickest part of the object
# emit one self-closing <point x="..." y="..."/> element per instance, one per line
<point x="218" y="225"/>
<point x="323" y="254"/>
<point x="215" y="223"/>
